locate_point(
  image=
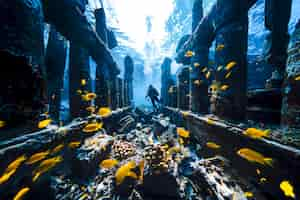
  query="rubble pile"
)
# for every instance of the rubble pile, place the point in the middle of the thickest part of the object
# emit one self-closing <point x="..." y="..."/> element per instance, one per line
<point x="153" y="160"/>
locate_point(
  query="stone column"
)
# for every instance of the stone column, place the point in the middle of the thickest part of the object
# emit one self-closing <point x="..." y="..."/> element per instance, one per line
<point x="290" y="113"/>
<point x="277" y="16"/>
<point x="165" y="80"/>
<point x="231" y="20"/>
<point x="79" y="72"/>
<point x="55" y="62"/>
<point x="120" y="92"/>
<point x="183" y="94"/>
<point x="128" y="78"/>
<point x="102" y="74"/>
<point x="199" y="101"/>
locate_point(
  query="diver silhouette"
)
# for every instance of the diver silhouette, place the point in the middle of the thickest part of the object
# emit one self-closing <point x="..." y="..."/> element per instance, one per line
<point x="153" y="94"/>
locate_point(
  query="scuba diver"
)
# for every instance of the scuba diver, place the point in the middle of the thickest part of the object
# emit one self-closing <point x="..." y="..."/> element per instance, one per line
<point x="153" y="94"/>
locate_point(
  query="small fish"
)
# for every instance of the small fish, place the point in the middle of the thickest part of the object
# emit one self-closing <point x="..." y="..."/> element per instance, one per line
<point x="196" y="65"/>
<point x="257" y="133"/>
<point x="297" y="78"/>
<point x="258" y="171"/>
<point x="20" y="195"/>
<point x="185" y="113"/>
<point x="230" y="65"/>
<point x="83" y="82"/>
<point x="208" y="75"/>
<point x="171" y="90"/>
<point x="204" y="70"/>
<point x="37" y="157"/>
<point x="92" y="127"/>
<point x="287" y="189"/>
<point x="91" y="109"/>
<point x="73" y="145"/>
<point x="213" y="145"/>
<point x="189" y="54"/>
<point x="142" y="169"/>
<point x="12" y="168"/>
<point x="89" y="96"/>
<point x="109" y="163"/>
<point x="254" y="156"/>
<point x="45" y="166"/>
<point x="181" y="141"/>
<point x="190" y="69"/>
<point x="79" y="92"/>
<point x="248" y="194"/>
<point x="104" y="112"/>
<point x="262" y="180"/>
<point x="44" y="123"/>
<point x="228" y="75"/>
<point x="2" y="124"/>
<point x="183" y="133"/>
<point x="220" y="68"/>
<point x="220" y="47"/>
<point x="125" y="171"/>
<point x="224" y="87"/>
<point x="210" y="121"/>
<point x="57" y="149"/>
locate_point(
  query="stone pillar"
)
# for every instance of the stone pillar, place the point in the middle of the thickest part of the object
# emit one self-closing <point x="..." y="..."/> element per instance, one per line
<point x="230" y="101"/>
<point x="128" y="78"/>
<point x="172" y="94"/>
<point x="165" y="80"/>
<point x="114" y="93"/>
<point x="120" y="92"/>
<point x="197" y="13"/>
<point x="55" y="62"/>
<point x="277" y="16"/>
<point x="183" y="94"/>
<point x="291" y="96"/>
<point x="199" y="101"/>
<point x="102" y="74"/>
<point x="79" y="72"/>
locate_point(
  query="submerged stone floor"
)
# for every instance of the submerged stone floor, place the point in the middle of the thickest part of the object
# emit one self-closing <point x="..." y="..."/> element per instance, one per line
<point x="135" y="155"/>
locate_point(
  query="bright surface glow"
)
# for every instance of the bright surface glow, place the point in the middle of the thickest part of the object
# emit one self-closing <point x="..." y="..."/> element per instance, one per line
<point x="129" y="16"/>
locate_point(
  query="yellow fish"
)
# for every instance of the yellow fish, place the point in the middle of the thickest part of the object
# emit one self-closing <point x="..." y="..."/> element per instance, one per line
<point x="91" y="109"/>
<point x="196" y="65"/>
<point x="204" y="70"/>
<point x="20" y="195"/>
<point x="89" y="96"/>
<point x="73" y="145"/>
<point x="208" y="75"/>
<point x="228" y="75"/>
<point x="210" y="121"/>
<point x="224" y="87"/>
<point x="83" y="82"/>
<point x="104" y="112"/>
<point x="57" y="148"/>
<point x="297" y="78"/>
<point x="262" y="180"/>
<point x="142" y="168"/>
<point x="219" y="68"/>
<point x="220" y="47"/>
<point x="2" y="124"/>
<point x="197" y="82"/>
<point x="37" y="157"/>
<point x="45" y="166"/>
<point x="44" y="123"/>
<point x="79" y="92"/>
<point x="181" y="141"/>
<point x="109" y="163"/>
<point x="92" y="127"/>
<point x="248" y="194"/>
<point x="230" y="65"/>
<point x="257" y="133"/>
<point x="12" y="168"/>
<point x="189" y="54"/>
<point x="288" y="189"/>
<point x="212" y="145"/>
<point x="125" y="171"/>
<point x="254" y="156"/>
<point x="183" y="133"/>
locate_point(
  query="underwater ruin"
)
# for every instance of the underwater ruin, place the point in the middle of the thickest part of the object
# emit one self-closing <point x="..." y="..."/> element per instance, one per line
<point x="149" y="99"/>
